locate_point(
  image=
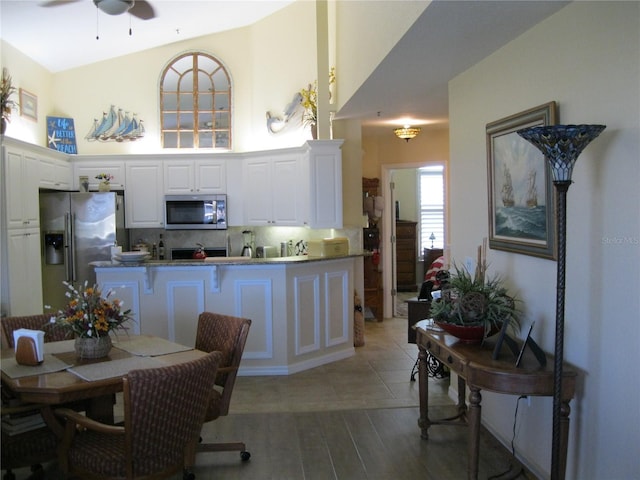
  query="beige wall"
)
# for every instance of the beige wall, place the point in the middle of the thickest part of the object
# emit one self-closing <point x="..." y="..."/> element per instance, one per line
<point x="586" y="57"/>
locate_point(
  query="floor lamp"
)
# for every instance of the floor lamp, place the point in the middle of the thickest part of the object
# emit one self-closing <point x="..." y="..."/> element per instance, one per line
<point x="561" y="146"/>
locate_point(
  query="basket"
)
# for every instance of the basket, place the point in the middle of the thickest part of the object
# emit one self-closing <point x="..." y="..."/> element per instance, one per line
<point x="93" y="347"/>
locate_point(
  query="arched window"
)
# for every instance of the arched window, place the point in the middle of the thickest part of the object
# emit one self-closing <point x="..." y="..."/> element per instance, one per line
<point x="195" y="103"/>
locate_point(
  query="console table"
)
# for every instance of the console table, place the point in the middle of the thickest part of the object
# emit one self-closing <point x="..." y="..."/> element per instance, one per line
<point x="477" y="370"/>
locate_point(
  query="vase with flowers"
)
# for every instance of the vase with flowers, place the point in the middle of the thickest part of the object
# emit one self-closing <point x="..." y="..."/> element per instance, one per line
<point x="105" y="182"/>
<point x="6" y="103"/>
<point x="310" y="102"/>
<point x="474" y="307"/>
<point x="90" y="317"/>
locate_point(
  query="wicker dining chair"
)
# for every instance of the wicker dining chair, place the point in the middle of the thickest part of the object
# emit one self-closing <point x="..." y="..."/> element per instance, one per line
<point x="34" y="447"/>
<point x="164" y="409"/>
<point x="228" y="335"/>
<point x="32" y="322"/>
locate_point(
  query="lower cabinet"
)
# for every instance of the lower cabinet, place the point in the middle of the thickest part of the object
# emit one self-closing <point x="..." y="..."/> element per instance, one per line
<point x="24" y="273"/>
<point x="301" y="312"/>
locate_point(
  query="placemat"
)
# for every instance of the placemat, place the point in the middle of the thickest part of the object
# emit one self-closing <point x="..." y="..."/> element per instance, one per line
<point x="113" y="369"/>
<point x="49" y="365"/>
<point x="59" y="347"/>
<point x="144" y="346"/>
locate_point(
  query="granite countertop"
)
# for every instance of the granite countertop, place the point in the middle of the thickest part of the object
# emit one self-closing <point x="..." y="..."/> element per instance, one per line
<point x="222" y="261"/>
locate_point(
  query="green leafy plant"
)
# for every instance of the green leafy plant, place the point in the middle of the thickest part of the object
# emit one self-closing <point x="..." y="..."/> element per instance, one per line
<point x="473" y="300"/>
<point x="6" y="91"/>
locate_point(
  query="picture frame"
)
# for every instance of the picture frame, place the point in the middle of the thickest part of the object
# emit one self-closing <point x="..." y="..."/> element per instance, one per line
<point x="28" y="105"/>
<point x="521" y="197"/>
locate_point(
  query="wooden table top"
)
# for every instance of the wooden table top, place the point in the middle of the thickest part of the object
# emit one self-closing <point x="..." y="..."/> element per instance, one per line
<point x="64" y="386"/>
<point x="476" y="365"/>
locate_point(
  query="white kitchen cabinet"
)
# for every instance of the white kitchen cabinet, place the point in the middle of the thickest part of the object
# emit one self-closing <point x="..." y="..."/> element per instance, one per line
<point x="90" y="167"/>
<point x="325" y="184"/>
<point x="24" y="272"/>
<point x="55" y="174"/>
<point x="273" y="190"/>
<point x="144" y="197"/>
<point x="21" y="183"/>
<point x="184" y="177"/>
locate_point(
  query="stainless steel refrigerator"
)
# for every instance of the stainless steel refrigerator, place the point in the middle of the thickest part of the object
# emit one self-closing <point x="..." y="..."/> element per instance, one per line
<point x="76" y="229"/>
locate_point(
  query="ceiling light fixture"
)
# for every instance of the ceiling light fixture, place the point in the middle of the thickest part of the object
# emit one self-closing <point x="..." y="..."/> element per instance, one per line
<point x="407" y="132"/>
<point x="114" y="7"/>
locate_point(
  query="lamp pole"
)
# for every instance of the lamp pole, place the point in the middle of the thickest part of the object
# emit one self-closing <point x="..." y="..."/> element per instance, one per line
<point x="561" y="146"/>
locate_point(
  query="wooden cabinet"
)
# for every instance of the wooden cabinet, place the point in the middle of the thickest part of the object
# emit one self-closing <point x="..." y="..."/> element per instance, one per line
<point x="406" y="256"/>
<point x="184" y="177"/>
<point x="373" y="298"/>
<point x="144" y="200"/>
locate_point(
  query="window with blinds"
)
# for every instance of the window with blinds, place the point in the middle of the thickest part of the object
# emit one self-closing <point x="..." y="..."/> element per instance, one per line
<point x="431" y="194"/>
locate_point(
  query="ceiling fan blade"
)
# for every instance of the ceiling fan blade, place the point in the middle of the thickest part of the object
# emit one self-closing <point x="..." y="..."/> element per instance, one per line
<point x="57" y="3"/>
<point x="142" y="10"/>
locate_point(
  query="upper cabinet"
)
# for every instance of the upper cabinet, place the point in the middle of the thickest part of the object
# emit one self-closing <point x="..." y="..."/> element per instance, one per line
<point x="144" y="194"/>
<point x="91" y="167"/>
<point x="55" y="173"/>
<point x="273" y="188"/>
<point x="21" y="178"/>
<point x="295" y="187"/>
<point x="184" y="177"/>
<point x="324" y="159"/>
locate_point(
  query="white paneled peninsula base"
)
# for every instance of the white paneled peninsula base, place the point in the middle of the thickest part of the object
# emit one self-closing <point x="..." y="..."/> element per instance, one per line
<point x="301" y="308"/>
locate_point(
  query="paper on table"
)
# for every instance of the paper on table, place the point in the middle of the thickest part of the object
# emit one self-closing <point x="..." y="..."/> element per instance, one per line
<point x="113" y="369"/>
<point x="145" y="346"/>
<point x="50" y="364"/>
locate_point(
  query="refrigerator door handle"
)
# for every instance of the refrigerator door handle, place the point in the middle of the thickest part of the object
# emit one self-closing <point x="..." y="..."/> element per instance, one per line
<point x="72" y="242"/>
<point x="68" y="248"/>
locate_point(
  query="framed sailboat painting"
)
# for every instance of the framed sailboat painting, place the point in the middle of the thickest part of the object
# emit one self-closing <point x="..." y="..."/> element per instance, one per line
<point x="521" y="197"/>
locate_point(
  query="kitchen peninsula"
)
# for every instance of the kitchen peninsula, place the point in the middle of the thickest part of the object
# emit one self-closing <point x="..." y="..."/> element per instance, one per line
<point x="301" y="307"/>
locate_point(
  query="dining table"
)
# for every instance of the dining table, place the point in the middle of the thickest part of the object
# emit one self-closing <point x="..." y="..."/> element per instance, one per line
<point x="63" y="378"/>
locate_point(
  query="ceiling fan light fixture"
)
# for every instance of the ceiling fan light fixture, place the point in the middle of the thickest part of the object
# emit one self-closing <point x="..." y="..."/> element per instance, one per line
<point x="407" y="132"/>
<point x="114" y="7"/>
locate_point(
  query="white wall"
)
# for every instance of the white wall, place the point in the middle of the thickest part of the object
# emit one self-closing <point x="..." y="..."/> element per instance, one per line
<point x="586" y="57"/>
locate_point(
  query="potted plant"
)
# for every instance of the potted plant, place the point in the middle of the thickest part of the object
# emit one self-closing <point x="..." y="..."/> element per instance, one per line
<point x="473" y="308"/>
<point x="6" y="103"/>
<point x="90" y="317"/>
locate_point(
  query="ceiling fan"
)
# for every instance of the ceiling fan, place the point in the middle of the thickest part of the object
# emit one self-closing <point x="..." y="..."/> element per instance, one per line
<point x="141" y="9"/>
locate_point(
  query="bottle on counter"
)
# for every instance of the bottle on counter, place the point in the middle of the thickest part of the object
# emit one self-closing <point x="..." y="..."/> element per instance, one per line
<point x="161" y="249"/>
<point x="154" y="252"/>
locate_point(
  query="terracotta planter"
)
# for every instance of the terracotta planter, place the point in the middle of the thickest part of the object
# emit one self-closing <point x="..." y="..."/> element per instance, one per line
<point x="472" y="334"/>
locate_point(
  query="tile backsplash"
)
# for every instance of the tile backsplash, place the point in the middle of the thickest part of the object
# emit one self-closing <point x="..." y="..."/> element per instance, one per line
<point x="234" y="239"/>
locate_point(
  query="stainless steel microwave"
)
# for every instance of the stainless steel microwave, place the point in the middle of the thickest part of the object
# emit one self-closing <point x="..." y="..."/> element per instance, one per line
<point x="195" y="212"/>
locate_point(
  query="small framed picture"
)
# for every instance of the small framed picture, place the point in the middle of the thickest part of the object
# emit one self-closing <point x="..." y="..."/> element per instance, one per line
<point x="28" y="105"/>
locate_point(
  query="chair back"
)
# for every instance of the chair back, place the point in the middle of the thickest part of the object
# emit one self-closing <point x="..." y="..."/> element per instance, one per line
<point x="32" y="322"/>
<point x="164" y="411"/>
<point x="228" y="335"/>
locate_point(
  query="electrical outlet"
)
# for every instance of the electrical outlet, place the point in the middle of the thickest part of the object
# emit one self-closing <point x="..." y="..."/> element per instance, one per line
<point x="528" y="398"/>
<point x="469" y="266"/>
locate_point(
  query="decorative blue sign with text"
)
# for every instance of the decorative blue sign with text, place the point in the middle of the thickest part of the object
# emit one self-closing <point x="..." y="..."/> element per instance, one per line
<point x="61" y="134"/>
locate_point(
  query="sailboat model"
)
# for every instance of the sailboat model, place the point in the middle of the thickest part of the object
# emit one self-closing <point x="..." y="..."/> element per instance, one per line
<point x="507" y="189"/>
<point x="532" y="192"/>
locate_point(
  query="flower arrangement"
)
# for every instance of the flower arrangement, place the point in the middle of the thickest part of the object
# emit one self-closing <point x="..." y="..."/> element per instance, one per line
<point x="88" y="314"/>
<point x="6" y="91"/>
<point x="310" y="99"/>
<point x="104" y="177"/>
